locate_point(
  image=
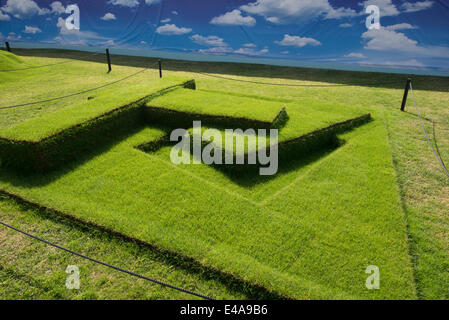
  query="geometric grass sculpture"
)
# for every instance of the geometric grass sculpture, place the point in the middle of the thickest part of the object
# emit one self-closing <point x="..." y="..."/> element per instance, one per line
<point x="309" y="232"/>
<point x="46" y="142"/>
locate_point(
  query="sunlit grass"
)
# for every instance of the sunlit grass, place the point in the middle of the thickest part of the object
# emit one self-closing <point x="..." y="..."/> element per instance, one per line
<point x="308" y="232"/>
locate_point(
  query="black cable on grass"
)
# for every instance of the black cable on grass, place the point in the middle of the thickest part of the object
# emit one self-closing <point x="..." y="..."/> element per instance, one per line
<point x="47" y="65"/>
<point x="108" y="265"/>
<point x="291" y="85"/>
<point x="74" y="94"/>
<point x="425" y="133"/>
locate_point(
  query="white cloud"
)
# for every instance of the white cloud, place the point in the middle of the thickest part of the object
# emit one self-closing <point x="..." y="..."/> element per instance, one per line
<point x="216" y="50"/>
<point x="13" y="37"/>
<point x="250" y="51"/>
<point x="109" y="43"/>
<point x="400" y="26"/>
<point x="234" y="18"/>
<point x="355" y="55"/>
<point x="108" y="16"/>
<point x="62" y="26"/>
<point x="151" y="2"/>
<point x="273" y="19"/>
<point x="386" y="7"/>
<point x="340" y="13"/>
<point x="175" y="12"/>
<point x="416" y="6"/>
<point x="124" y="3"/>
<point x="171" y="30"/>
<point x="32" y="30"/>
<point x="57" y="8"/>
<point x="408" y="63"/>
<point x="75" y="41"/>
<point x="345" y="25"/>
<point x="4" y="17"/>
<point x="285" y="52"/>
<point x="209" y="41"/>
<point x="166" y="20"/>
<point x="77" y="37"/>
<point x="390" y="40"/>
<point x="295" y="41"/>
<point x="291" y="11"/>
<point x="250" y="45"/>
<point x="23" y="9"/>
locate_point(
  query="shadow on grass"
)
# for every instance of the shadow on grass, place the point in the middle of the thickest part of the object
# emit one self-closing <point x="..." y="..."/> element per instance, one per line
<point x="248" y="176"/>
<point x="357" y="78"/>
<point x="29" y="179"/>
<point x="176" y="260"/>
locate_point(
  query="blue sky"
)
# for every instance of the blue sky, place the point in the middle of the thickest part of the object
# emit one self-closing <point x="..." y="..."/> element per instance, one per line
<point x="412" y="33"/>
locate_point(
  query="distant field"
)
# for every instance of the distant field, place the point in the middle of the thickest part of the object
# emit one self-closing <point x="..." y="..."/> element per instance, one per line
<point x="377" y="197"/>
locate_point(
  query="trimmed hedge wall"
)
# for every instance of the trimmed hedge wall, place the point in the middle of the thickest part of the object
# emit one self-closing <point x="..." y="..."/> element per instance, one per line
<point x="68" y="144"/>
<point x="179" y="119"/>
<point x="297" y="147"/>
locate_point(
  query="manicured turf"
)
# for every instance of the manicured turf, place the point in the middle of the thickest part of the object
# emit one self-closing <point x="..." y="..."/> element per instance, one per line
<point x="11" y="61"/>
<point x="218" y="104"/>
<point x="98" y="103"/>
<point x="305" y="115"/>
<point x="32" y="270"/>
<point x="308" y="232"/>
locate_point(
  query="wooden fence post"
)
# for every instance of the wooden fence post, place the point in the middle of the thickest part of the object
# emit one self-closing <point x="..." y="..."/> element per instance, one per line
<point x="109" y="60"/>
<point x="404" y="99"/>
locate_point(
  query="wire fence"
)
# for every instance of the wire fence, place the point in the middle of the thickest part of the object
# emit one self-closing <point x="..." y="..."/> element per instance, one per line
<point x="49" y="65"/>
<point x="134" y="274"/>
<point x="76" y="93"/>
<point x="425" y="133"/>
<point x="205" y="74"/>
<point x="223" y="78"/>
<point x="295" y="85"/>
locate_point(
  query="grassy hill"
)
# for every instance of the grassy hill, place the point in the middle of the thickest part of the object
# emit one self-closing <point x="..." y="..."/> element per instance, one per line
<point x="308" y="232"/>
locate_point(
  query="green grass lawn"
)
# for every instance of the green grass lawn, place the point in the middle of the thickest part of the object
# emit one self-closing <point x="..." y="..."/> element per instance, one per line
<point x="101" y="102"/>
<point x="219" y="104"/>
<point x="309" y="232"/>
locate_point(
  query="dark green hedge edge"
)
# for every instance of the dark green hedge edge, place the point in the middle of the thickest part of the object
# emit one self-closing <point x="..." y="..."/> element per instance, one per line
<point x="320" y="139"/>
<point x="70" y="143"/>
<point x="179" y="119"/>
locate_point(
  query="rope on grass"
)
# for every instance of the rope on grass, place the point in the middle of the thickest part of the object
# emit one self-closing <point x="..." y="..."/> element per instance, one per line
<point x="291" y="84"/>
<point x="427" y="136"/>
<point x="75" y="94"/>
<point x="108" y="265"/>
<point x="47" y="65"/>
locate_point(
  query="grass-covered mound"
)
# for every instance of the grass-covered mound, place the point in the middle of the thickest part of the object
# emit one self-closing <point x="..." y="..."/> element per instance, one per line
<point x="315" y="125"/>
<point x="180" y="107"/>
<point x="233" y="223"/>
<point x="44" y="142"/>
<point x="9" y="61"/>
<point x="253" y="142"/>
<point x="309" y="232"/>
